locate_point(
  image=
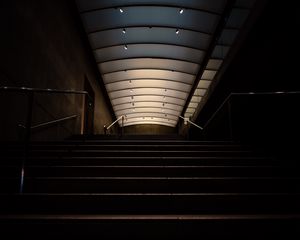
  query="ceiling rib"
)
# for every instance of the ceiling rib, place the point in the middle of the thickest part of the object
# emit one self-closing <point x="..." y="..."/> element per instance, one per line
<point x="210" y="5"/>
<point x="135" y="101"/>
<point x="162" y="69"/>
<point x="149" y="114"/>
<point x="149" y="95"/>
<point x="157" y="57"/>
<point x="154" y="26"/>
<point x="124" y="6"/>
<point x="154" y="79"/>
<point x="145" y="108"/>
<point x="142" y="63"/>
<point x="149" y="50"/>
<point x="150" y="43"/>
<point x="154" y="87"/>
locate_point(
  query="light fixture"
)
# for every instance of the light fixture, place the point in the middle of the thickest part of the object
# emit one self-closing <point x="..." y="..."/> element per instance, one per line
<point x="131" y="90"/>
<point x="125" y="47"/>
<point x="132" y="104"/>
<point x="181" y="11"/>
<point x="129" y="81"/>
<point x="131" y="97"/>
<point x="163" y="104"/>
<point x="133" y="109"/>
<point x="164" y="97"/>
<point x="121" y="10"/>
<point x="124" y="30"/>
<point x="177" y="31"/>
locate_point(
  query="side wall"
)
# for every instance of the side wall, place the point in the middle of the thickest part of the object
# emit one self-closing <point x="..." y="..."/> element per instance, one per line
<point x="43" y="46"/>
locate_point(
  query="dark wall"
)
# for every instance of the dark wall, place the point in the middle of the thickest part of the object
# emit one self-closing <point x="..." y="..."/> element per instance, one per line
<point x="267" y="62"/>
<point x="43" y="46"/>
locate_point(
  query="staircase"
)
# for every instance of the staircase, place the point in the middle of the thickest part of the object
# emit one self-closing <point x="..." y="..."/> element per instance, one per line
<point x="147" y="188"/>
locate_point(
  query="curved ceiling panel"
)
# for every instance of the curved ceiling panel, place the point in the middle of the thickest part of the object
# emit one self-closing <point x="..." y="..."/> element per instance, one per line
<point x="170" y="122"/>
<point x="133" y="84"/>
<point x="151" y="98"/>
<point x="148" y="104"/>
<point x="211" y="5"/>
<point x="151" y="54"/>
<point x="147" y="110"/>
<point x="141" y="121"/>
<point x="172" y="36"/>
<point x="149" y="50"/>
<point x="148" y="74"/>
<point x="111" y="18"/>
<point x="151" y="115"/>
<point x="146" y="91"/>
<point x="151" y="63"/>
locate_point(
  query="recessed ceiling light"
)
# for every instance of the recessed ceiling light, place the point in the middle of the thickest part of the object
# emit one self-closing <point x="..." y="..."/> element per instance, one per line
<point x="124" y="30"/>
<point x="125" y="47"/>
<point x="164" y="97"/>
<point x="121" y="10"/>
<point x="181" y="11"/>
<point x="132" y="104"/>
<point x="131" y="97"/>
<point x="177" y="31"/>
<point x="133" y="109"/>
<point x="131" y="90"/>
<point x="129" y="81"/>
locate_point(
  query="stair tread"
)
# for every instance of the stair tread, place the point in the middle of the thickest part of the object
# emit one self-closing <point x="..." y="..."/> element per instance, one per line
<point x="148" y="217"/>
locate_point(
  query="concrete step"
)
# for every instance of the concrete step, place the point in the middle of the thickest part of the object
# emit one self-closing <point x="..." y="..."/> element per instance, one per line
<point x="151" y="203"/>
<point x="152" y="226"/>
<point x="160" y="184"/>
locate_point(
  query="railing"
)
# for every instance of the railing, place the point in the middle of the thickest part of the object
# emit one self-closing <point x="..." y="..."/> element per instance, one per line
<point x="106" y="129"/>
<point x="50" y="123"/>
<point x="30" y="92"/>
<point x="228" y="104"/>
<point x="187" y="120"/>
<point x="227" y="99"/>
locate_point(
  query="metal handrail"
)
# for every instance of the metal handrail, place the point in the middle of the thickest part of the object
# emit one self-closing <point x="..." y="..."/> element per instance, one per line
<point x="41" y="125"/>
<point x="188" y="120"/>
<point x="245" y="94"/>
<point x="44" y="90"/>
<point x="113" y="123"/>
<point x="30" y="94"/>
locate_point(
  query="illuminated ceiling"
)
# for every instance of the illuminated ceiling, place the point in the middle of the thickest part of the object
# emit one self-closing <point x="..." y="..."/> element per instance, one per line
<point x="158" y="58"/>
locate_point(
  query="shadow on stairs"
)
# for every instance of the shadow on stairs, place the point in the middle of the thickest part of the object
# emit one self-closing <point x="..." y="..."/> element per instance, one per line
<point x="147" y="188"/>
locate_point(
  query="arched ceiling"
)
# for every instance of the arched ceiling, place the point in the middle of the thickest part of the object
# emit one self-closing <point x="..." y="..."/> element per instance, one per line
<point x="158" y="58"/>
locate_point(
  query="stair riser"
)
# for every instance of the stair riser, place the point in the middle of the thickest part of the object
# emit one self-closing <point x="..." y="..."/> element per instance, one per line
<point x="148" y="171"/>
<point x="151" y="204"/>
<point x="160" y="185"/>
